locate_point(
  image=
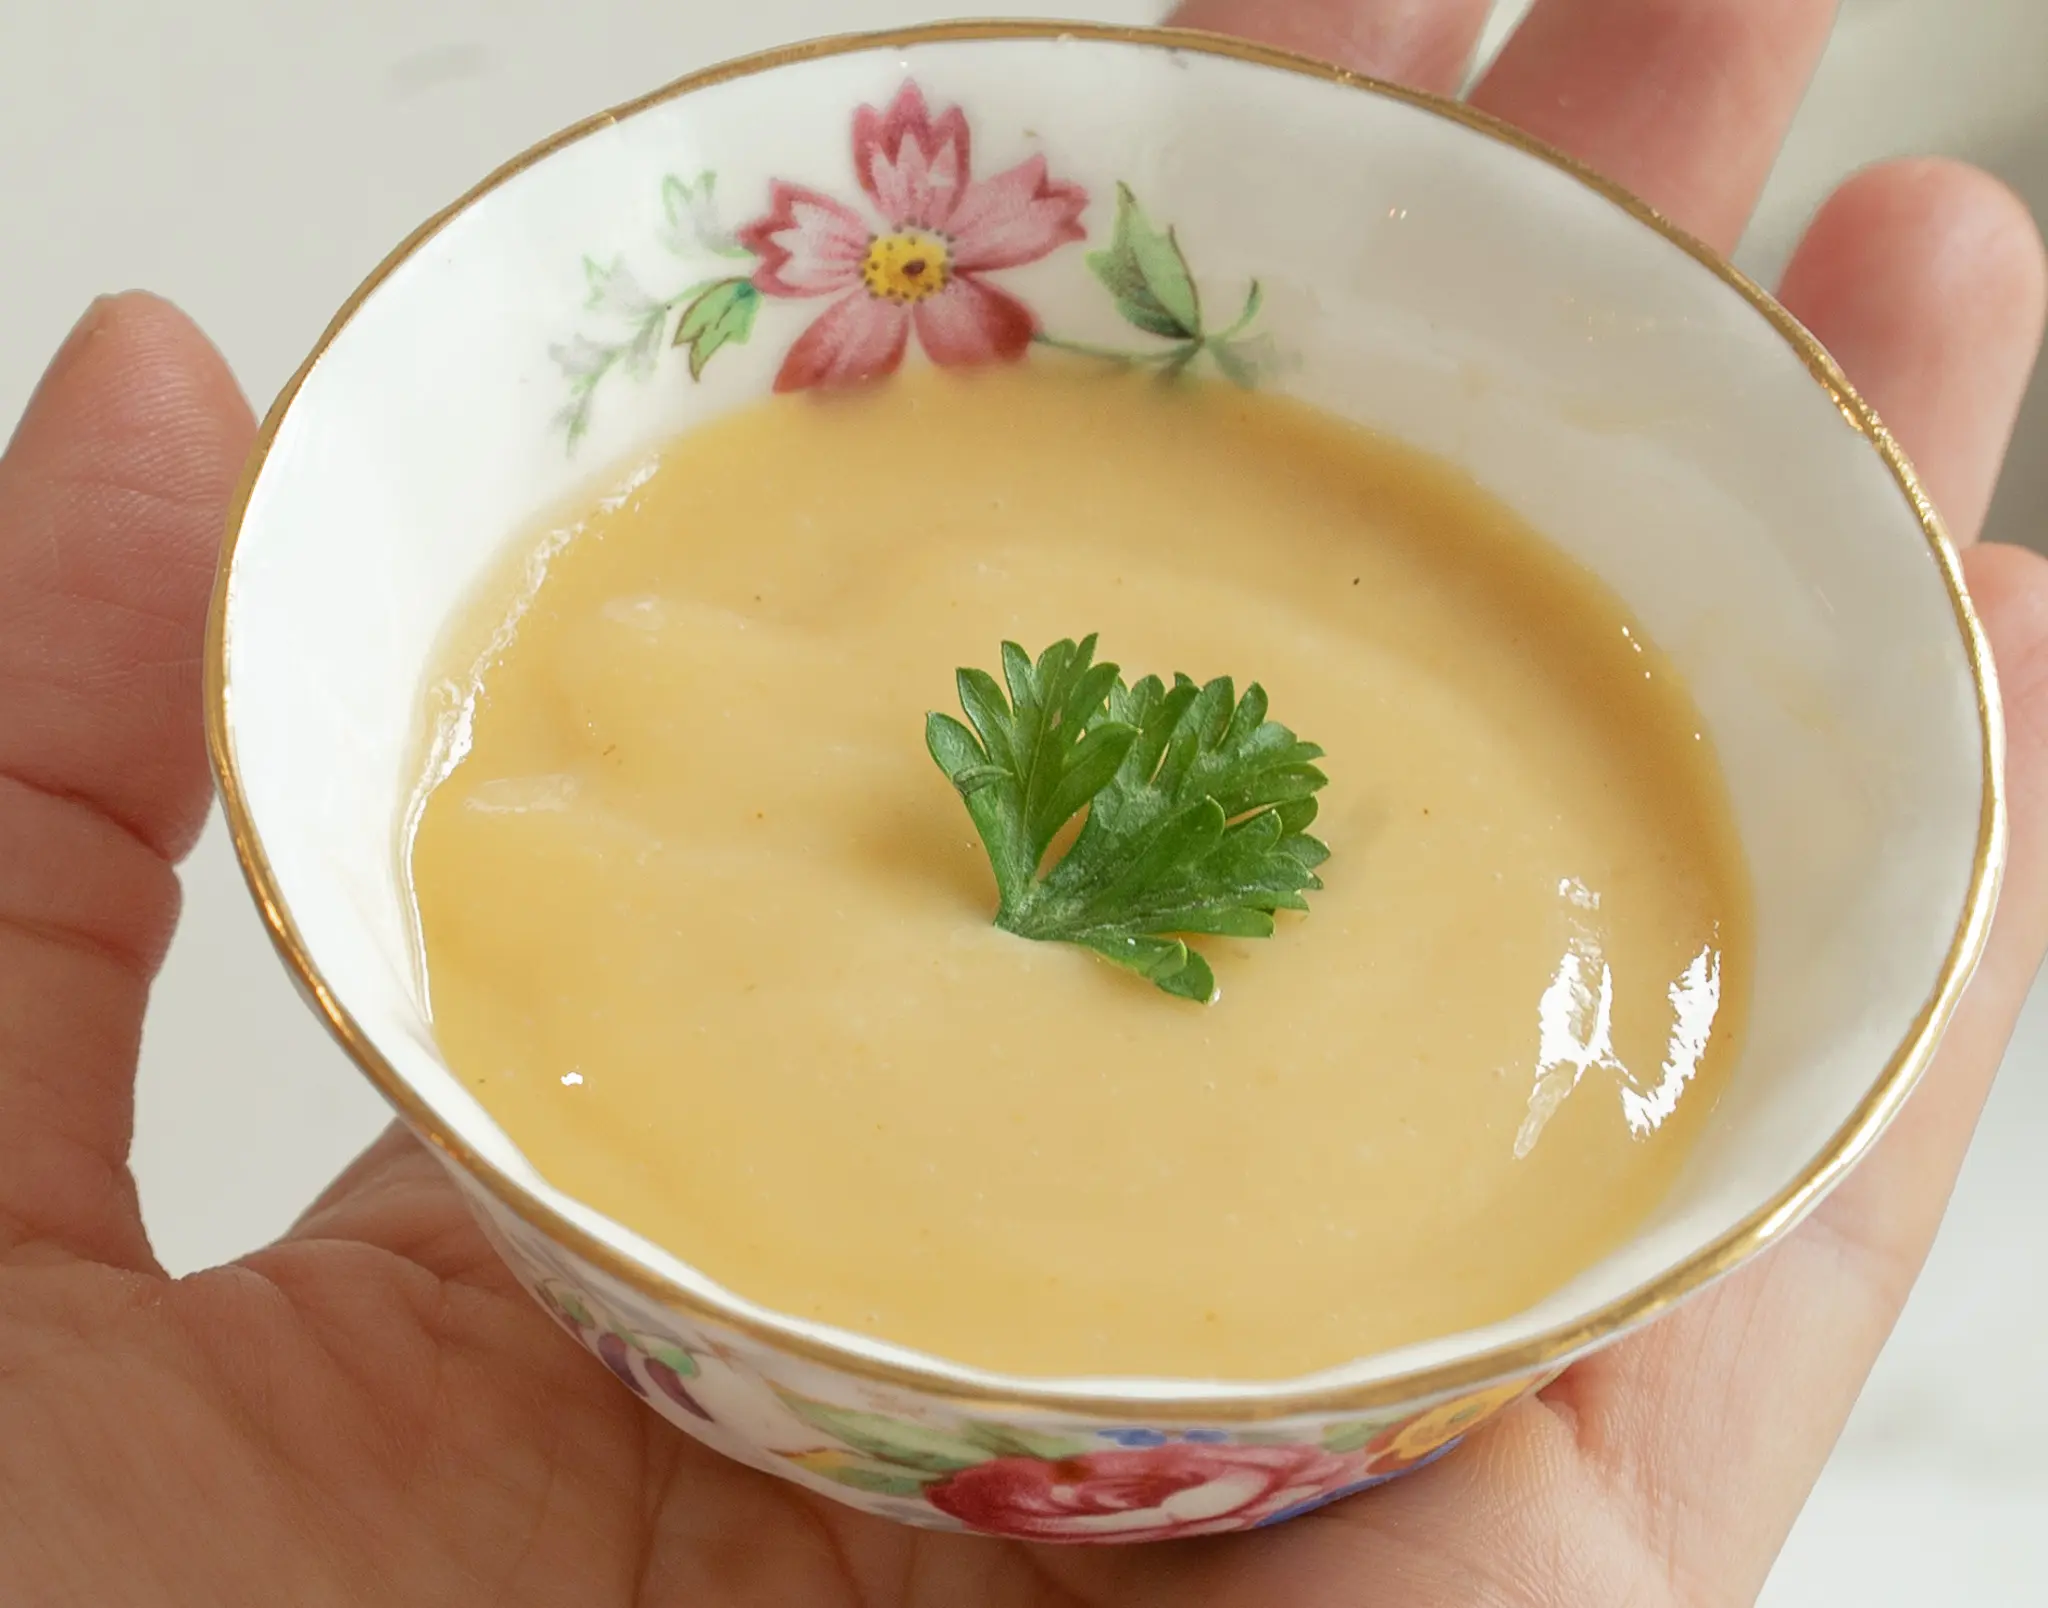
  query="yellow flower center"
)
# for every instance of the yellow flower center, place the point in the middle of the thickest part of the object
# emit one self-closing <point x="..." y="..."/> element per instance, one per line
<point x="906" y="267"/>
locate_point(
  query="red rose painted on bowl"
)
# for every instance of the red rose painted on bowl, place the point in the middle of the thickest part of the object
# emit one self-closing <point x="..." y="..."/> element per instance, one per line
<point x="1143" y="1494"/>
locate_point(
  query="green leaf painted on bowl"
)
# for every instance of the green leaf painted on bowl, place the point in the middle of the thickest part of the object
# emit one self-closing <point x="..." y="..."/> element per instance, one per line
<point x="684" y="1365"/>
<point x="863" y="1474"/>
<point x="571" y="1303"/>
<point x="1348" y="1437"/>
<point x="1145" y="271"/>
<point x="1264" y="1437"/>
<point x="894" y="1441"/>
<point x="723" y="315"/>
<point x="1006" y="1440"/>
<point x="878" y="1479"/>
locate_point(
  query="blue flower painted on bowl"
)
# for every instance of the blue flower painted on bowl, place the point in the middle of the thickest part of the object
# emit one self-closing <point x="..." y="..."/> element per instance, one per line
<point x="1137" y="1439"/>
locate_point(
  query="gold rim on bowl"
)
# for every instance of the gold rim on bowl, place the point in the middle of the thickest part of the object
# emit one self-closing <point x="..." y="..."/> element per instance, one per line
<point x="980" y="1390"/>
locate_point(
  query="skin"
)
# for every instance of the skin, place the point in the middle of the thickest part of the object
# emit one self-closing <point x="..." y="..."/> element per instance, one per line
<point x="369" y="1411"/>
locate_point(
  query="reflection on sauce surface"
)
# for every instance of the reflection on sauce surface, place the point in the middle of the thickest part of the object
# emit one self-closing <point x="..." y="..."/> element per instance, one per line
<point x="1575" y="1028"/>
<point x="708" y="932"/>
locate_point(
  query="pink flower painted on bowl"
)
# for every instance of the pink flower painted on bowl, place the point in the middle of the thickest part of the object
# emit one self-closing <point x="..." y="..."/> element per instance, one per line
<point x="922" y="264"/>
<point x="916" y="259"/>
<point x="1153" y="1494"/>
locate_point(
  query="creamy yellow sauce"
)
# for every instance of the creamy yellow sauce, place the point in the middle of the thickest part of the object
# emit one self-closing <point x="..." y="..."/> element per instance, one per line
<point x="709" y="933"/>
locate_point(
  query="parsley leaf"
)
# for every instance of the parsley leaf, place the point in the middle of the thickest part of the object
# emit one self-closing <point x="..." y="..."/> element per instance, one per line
<point x="1198" y="808"/>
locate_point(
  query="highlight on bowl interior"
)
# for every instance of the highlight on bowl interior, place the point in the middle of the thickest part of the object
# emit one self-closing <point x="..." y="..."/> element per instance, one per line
<point x="1059" y="857"/>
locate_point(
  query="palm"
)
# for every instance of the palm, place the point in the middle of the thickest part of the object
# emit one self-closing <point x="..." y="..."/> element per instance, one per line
<point x="371" y="1411"/>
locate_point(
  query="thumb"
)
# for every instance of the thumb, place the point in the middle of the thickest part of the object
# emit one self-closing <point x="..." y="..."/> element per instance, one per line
<point x="112" y="497"/>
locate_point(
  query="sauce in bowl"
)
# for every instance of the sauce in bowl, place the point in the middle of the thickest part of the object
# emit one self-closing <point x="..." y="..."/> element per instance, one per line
<point x="709" y="934"/>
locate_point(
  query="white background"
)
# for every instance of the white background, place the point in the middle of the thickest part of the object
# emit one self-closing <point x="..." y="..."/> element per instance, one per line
<point x="253" y="159"/>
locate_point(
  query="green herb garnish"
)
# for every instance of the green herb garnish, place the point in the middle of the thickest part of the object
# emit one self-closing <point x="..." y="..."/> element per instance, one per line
<point x="1198" y="808"/>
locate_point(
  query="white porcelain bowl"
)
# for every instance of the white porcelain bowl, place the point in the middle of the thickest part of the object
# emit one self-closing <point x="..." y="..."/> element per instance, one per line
<point x="1421" y="270"/>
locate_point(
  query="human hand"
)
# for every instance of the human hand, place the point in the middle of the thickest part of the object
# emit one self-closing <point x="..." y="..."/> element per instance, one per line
<point x="370" y="1411"/>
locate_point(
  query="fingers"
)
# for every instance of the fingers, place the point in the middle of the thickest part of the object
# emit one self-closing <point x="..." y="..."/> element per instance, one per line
<point x="1792" y="1339"/>
<point x="1425" y="43"/>
<point x="1684" y="102"/>
<point x="112" y="497"/>
<point x="1887" y="1213"/>
<point x="1925" y="279"/>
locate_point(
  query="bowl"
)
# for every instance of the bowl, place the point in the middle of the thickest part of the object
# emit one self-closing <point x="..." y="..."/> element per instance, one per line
<point x="1396" y="259"/>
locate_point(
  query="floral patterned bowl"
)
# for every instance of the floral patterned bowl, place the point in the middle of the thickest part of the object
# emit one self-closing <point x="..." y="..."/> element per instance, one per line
<point x="967" y="194"/>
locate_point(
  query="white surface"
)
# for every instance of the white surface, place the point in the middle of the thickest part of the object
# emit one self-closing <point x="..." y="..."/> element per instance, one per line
<point x="253" y="160"/>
